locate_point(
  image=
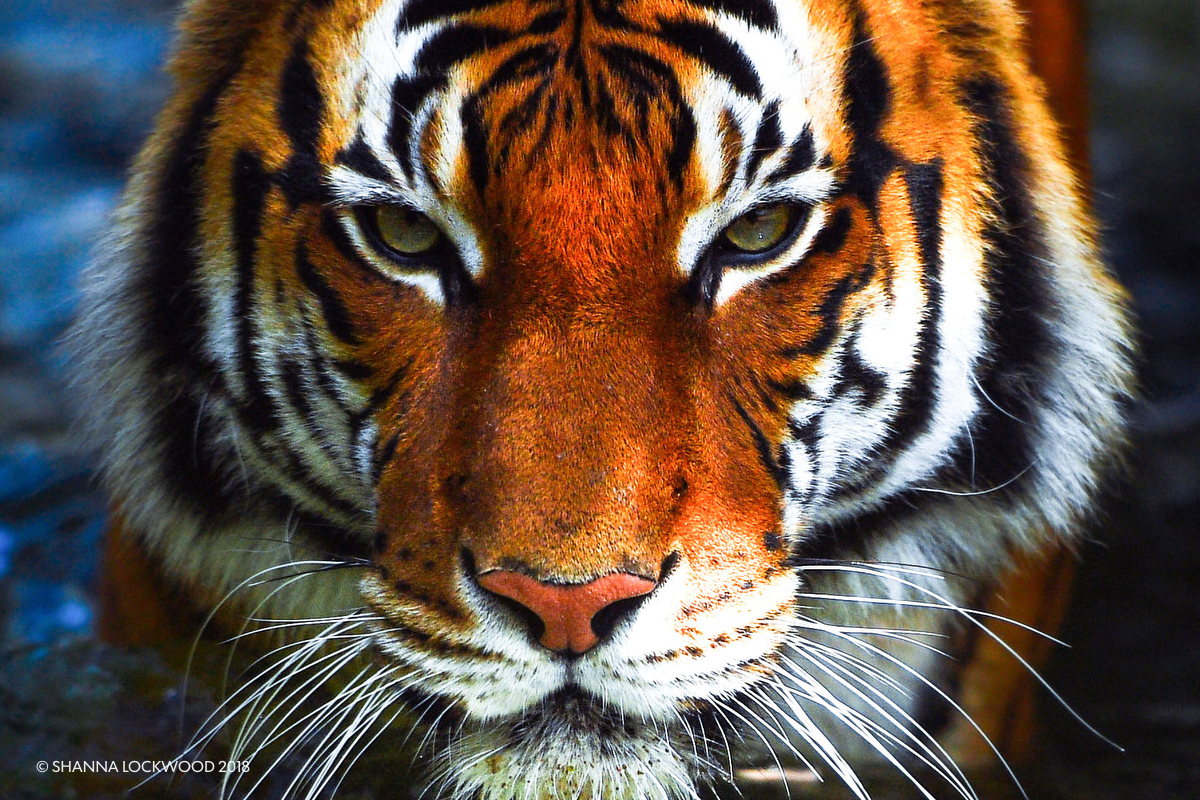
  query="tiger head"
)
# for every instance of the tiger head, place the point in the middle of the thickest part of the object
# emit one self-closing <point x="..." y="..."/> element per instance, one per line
<point x="633" y="373"/>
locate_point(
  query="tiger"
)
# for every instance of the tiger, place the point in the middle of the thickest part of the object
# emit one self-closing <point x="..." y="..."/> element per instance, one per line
<point x="619" y="397"/>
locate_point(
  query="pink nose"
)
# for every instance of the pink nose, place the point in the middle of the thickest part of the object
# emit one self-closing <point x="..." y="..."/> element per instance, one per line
<point x="566" y="611"/>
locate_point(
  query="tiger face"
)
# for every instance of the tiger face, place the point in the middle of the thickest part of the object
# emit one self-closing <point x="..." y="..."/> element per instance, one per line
<point x="616" y="380"/>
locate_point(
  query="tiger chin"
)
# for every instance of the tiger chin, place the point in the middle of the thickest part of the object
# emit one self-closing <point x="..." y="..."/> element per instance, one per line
<point x="606" y="396"/>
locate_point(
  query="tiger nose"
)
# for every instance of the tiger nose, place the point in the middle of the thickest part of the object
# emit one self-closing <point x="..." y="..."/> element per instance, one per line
<point x="574" y="616"/>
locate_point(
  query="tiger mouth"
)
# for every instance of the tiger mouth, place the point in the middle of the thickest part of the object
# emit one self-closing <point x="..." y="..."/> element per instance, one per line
<point x="572" y="743"/>
<point x="571" y="712"/>
<point x="572" y="709"/>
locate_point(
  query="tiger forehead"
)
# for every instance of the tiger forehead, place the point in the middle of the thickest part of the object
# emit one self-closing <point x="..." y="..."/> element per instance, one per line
<point x="465" y="92"/>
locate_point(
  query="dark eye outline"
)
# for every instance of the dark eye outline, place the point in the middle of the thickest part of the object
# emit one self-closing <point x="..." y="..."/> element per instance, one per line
<point x="756" y="216"/>
<point x="733" y="256"/>
<point x="721" y="254"/>
<point x="426" y="261"/>
<point x="442" y="259"/>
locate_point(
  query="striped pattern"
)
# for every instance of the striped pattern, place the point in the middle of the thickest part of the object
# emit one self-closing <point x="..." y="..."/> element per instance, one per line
<point x="928" y="370"/>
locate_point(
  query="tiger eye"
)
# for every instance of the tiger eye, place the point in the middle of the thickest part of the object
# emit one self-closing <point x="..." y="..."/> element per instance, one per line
<point x="759" y="230"/>
<point x="405" y="231"/>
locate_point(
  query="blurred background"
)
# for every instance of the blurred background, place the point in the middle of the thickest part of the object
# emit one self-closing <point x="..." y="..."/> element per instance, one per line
<point x="80" y="82"/>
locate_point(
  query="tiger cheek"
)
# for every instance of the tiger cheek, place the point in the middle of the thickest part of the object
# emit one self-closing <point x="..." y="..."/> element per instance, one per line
<point x="415" y="547"/>
<point x="731" y="543"/>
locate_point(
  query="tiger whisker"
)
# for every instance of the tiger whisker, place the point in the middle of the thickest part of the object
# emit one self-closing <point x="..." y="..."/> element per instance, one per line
<point x="366" y="745"/>
<point x="970" y="617"/>
<point x="803" y="724"/>
<point x="208" y="621"/>
<point x="871" y="731"/>
<point x="362" y="709"/>
<point x="254" y="692"/>
<point x="937" y="607"/>
<point x="249" y="733"/>
<point x="931" y="753"/>
<point x="315" y="683"/>
<point x="979" y="493"/>
<point x="313" y="722"/>
<point x="200" y="740"/>
<point x="272" y="624"/>
<point x="252" y="723"/>
<point x="868" y="730"/>
<point x="941" y="693"/>
<point x="779" y="734"/>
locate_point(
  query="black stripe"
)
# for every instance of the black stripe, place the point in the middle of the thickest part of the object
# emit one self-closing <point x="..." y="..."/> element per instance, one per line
<point x="457" y="43"/>
<point x="408" y="95"/>
<point x="764" y="394"/>
<point x="848" y="539"/>
<point x="336" y="233"/>
<point x="299" y="473"/>
<point x="332" y="539"/>
<point x="475" y="142"/>
<point x="650" y="78"/>
<point x="640" y="83"/>
<point x="362" y="159"/>
<point x="767" y="139"/>
<point x="683" y="140"/>
<point x="1021" y="344"/>
<point x="759" y="13"/>
<point x="549" y="117"/>
<point x="868" y="99"/>
<point x="715" y="50"/>
<point x="792" y="390"/>
<point x="527" y="64"/>
<point x="642" y="69"/>
<point x="176" y="309"/>
<point x="377" y="400"/>
<point x="800" y="158"/>
<point x="419" y="12"/>
<point x="918" y="397"/>
<point x="301" y="110"/>
<point x="298" y="396"/>
<point x="380" y="460"/>
<point x="830" y="313"/>
<point x="456" y="284"/>
<point x="352" y="369"/>
<point x="605" y="109"/>
<point x="925" y="184"/>
<point x="320" y="368"/>
<point x="548" y="22"/>
<point x="574" y="55"/>
<point x="520" y="118"/>
<point x="808" y="433"/>
<point x="832" y="237"/>
<point x="250" y="187"/>
<point x="766" y="453"/>
<point x="856" y="375"/>
<point x="531" y="62"/>
<point x="191" y="469"/>
<point x="333" y="310"/>
<point x="606" y="12"/>
<point x="175" y="315"/>
<point x="704" y="280"/>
